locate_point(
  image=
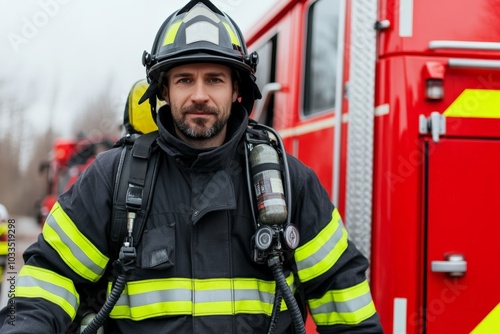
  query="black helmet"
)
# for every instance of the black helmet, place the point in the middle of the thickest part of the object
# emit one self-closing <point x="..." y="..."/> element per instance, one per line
<point x="200" y="32"/>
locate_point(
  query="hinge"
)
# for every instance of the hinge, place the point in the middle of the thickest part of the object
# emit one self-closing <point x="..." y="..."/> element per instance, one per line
<point x="435" y="124"/>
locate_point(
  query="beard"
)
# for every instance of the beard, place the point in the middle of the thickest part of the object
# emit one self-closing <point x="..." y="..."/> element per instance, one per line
<point x="200" y="131"/>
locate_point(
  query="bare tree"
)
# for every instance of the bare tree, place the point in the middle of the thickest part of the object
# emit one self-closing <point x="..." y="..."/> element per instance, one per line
<point x="22" y="186"/>
<point x="100" y="118"/>
<point x="35" y="186"/>
<point x="11" y="118"/>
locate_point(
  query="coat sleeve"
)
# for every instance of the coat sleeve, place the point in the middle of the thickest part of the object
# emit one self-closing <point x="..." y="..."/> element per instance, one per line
<point x="330" y="268"/>
<point x="71" y="253"/>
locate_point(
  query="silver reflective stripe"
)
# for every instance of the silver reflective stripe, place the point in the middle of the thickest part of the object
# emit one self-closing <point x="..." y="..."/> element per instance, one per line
<point x="77" y="252"/>
<point x="28" y="281"/>
<point x="348" y="306"/>
<point x="173" y="295"/>
<point x="202" y="32"/>
<point x="142" y="299"/>
<point x="325" y="249"/>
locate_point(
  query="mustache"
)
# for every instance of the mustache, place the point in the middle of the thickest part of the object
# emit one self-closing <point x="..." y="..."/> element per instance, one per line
<point x="199" y="108"/>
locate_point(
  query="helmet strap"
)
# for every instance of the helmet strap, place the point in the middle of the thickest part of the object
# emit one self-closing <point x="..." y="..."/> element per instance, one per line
<point x="152" y="103"/>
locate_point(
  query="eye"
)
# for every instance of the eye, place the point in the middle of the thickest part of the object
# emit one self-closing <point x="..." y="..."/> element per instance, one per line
<point x="215" y="80"/>
<point x="183" y="80"/>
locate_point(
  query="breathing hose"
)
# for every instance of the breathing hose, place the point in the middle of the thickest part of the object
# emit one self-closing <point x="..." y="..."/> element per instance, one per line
<point x="125" y="264"/>
<point x="290" y="300"/>
<point x="104" y="312"/>
<point x="276" y="309"/>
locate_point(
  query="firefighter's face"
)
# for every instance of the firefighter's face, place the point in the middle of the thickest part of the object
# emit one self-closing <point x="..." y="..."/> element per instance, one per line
<point x="200" y="97"/>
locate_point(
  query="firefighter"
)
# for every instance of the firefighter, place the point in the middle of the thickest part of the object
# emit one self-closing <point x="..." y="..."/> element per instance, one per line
<point x="195" y="270"/>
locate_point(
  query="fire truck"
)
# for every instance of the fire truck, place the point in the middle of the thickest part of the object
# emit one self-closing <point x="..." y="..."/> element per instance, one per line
<point x="396" y="106"/>
<point x="68" y="159"/>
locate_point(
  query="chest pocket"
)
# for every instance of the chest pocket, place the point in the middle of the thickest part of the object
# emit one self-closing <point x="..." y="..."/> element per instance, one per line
<point x="157" y="249"/>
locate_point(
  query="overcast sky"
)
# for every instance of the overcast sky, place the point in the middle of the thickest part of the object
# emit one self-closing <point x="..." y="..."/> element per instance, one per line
<point x="57" y="54"/>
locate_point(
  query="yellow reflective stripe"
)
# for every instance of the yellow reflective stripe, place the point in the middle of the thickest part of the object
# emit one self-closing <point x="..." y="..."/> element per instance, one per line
<point x="234" y="38"/>
<point x="475" y="103"/>
<point x="197" y="297"/>
<point x="319" y="254"/>
<point x="73" y="247"/>
<point x="36" y="282"/>
<point x="348" y="306"/>
<point x="490" y="324"/>
<point x="345" y="318"/>
<point x="171" y="33"/>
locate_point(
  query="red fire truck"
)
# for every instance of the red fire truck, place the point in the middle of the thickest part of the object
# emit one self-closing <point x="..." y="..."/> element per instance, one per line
<point x="396" y="105"/>
<point x="68" y="159"/>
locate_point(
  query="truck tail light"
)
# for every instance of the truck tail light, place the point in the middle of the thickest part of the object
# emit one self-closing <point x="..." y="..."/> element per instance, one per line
<point x="434" y="89"/>
<point x="433" y="75"/>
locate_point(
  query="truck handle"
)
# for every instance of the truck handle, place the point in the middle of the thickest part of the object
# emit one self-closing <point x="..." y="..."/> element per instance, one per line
<point x="474" y="63"/>
<point x="454" y="265"/>
<point x="464" y="45"/>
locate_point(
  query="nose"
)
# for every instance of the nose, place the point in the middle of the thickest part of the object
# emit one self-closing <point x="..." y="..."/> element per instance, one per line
<point x="200" y="94"/>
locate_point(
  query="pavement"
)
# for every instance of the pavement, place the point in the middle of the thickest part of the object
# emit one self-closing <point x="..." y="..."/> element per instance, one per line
<point x="26" y="233"/>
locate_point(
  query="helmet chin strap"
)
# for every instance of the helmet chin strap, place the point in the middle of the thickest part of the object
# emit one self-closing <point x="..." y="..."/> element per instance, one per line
<point x="152" y="103"/>
<point x="150" y="92"/>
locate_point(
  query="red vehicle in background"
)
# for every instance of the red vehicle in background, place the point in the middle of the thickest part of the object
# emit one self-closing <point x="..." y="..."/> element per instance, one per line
<point x="396" y="106"/>
<point x="69" y="158"/>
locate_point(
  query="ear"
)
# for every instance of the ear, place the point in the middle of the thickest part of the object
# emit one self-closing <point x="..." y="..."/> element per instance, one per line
<point x="235" y="90"/>
<point x="164" y="93"/>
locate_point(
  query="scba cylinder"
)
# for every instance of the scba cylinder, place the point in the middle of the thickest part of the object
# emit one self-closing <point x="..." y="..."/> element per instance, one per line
<point x="268" y="184"/>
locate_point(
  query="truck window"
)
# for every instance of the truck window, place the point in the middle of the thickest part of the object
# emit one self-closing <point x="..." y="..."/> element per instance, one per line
<point x="321" y="56"/>
<point x="266" y="73"/>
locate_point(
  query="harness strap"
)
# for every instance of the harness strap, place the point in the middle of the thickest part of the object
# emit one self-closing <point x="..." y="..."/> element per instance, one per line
<point x="134" y="183"/>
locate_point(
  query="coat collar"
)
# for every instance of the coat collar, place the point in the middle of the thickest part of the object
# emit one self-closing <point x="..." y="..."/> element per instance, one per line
<point x="203" y="159"/>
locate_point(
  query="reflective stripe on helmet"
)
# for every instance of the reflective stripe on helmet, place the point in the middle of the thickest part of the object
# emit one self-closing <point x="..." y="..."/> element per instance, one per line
<point x="319" y="254"/>
<point x="234" y="38"/>
<point x="171" y="33"/>
<point x="202" y="32"/>
<point x="197" y="297"/>
<point x="72" y="246"/>
<point x="36" y="282"/>
<point x="348" y="306"/>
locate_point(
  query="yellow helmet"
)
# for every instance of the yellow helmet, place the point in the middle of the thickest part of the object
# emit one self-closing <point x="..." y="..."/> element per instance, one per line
<point x="137" y="118"/>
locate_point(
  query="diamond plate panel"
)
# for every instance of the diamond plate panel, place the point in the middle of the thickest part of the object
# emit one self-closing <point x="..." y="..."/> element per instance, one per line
<point x="361" y="120"/>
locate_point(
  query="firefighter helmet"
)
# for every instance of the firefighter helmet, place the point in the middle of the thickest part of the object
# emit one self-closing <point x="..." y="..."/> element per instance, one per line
<point x="137" y="118"/>
<point x="200" y="32"/>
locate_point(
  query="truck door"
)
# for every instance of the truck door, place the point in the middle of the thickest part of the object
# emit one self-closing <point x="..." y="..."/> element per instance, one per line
<point x="462" y="229"/>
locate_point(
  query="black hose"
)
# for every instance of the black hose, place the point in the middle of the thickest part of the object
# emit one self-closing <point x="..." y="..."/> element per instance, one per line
<point x="276" y="310"/>
<point x="290" y="300"/>
<point x="104" y="312"/>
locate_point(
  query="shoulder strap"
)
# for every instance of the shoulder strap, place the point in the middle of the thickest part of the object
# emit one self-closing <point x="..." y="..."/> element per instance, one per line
<point x="134" y="183"/>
